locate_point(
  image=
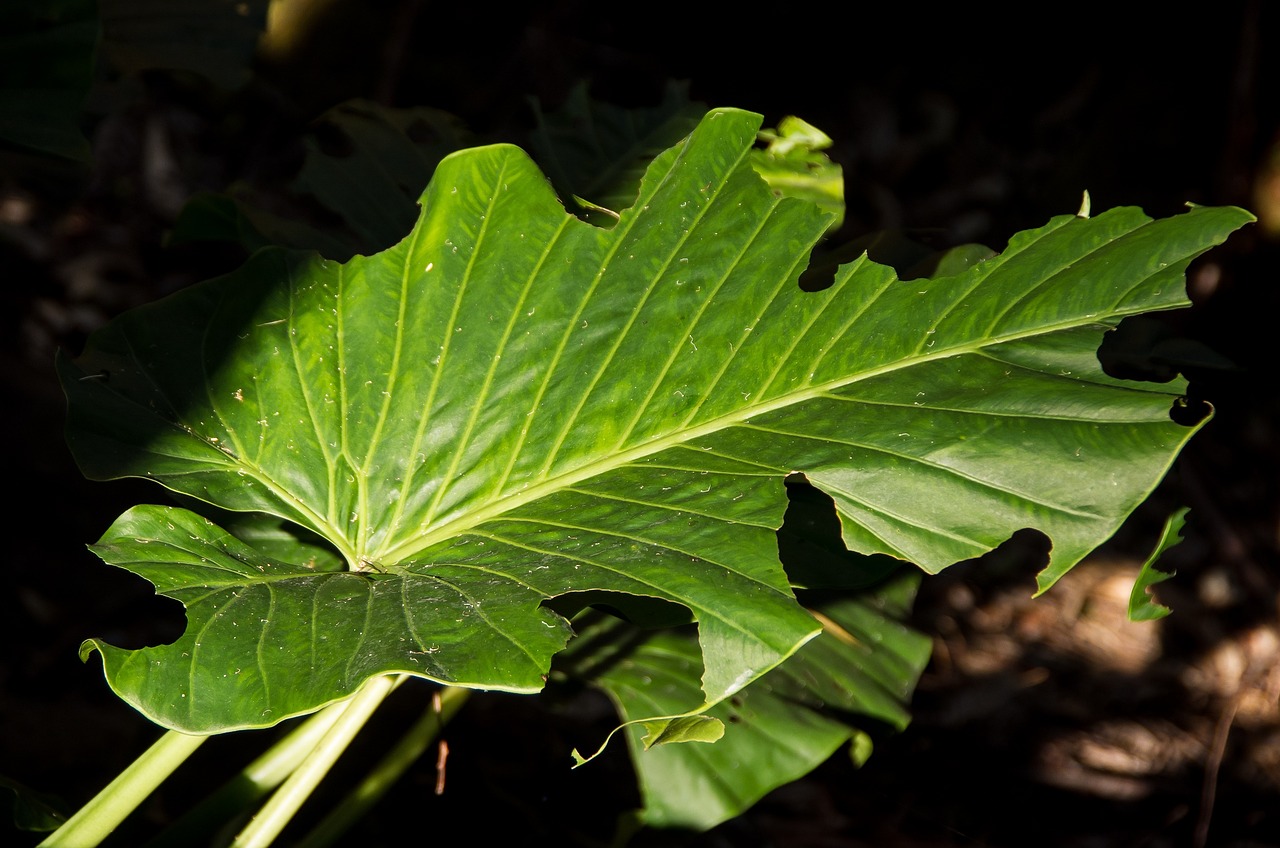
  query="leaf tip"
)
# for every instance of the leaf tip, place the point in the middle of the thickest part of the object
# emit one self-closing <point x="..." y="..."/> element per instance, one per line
<point x="87" y="647"/>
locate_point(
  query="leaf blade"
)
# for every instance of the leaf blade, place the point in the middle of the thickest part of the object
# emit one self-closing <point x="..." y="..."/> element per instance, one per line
<point x="513" y="404"/>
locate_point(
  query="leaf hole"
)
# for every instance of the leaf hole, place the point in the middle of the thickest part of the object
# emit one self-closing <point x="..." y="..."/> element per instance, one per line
<point x="812" y="549"/>
<point x="643" y="611"/>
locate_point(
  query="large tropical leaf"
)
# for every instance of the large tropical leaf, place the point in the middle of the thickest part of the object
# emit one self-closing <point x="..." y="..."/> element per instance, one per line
<point x="512" y="405"/>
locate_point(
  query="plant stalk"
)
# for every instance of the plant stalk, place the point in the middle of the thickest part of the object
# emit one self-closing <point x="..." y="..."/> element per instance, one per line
<point x="104" y="812"/>
<point x="284" y="804"/>
<point x="389" y="769"/>
<point x="241" y="792"/>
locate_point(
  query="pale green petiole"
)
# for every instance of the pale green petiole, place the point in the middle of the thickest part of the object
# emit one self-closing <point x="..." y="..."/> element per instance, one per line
<point x="253" y="783"/>
<point x="98" y="818"/>
<point x="402" y="755"/>
<point x="284" y="804"/>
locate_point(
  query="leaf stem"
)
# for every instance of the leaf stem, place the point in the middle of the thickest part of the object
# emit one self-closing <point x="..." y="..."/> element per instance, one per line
<point x="248" y="787"/>
<point x="283" y="805"/>
<point x="402" y="755"/>
<point x="104" y="812"/>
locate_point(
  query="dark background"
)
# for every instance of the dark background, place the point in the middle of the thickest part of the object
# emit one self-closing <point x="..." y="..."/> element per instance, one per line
<point x="1051" y="722"/>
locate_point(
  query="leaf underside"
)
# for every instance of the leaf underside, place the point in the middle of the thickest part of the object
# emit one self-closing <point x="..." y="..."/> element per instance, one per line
<point x="512" y="405"/>
<point x="864" y="665"/>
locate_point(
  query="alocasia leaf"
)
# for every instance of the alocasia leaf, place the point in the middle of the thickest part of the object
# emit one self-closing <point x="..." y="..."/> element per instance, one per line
<point x="33" y="810"/>
<point x="512" y="405"/>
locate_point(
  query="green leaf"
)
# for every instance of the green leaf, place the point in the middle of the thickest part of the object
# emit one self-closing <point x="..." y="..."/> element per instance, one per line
<point x="277" y="539"/>
<point x="512" y="406"/>
<point x="1142" y="607"/>
<point x="266" y="640"/>
<point x="864" y="666"/>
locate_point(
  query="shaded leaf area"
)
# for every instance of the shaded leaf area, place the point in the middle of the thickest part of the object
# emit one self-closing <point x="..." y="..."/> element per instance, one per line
<point x="368" y="165"/>
<point x="856" y="676"/>
<point x="512" y="405"/>
<point x="599" y="152"/>
<point x="365" y="165"/>
<point x="908" y="256"/>
<point x="277" y="539"/>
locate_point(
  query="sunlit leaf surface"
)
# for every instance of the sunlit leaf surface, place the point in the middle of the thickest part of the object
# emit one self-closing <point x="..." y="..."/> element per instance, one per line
<point x="512" y="405"/>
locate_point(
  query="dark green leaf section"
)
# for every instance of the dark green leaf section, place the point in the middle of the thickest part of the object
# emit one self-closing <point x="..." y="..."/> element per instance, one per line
<point x="368" y="165"/>
<point x="528" y="407"/>
<point x="600" y="152"/>
<point x="909" y="258"/>
<point x="277" y="540"/>
<point x="863" y="666"/>
<point x="365" y="164"/>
